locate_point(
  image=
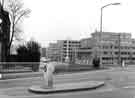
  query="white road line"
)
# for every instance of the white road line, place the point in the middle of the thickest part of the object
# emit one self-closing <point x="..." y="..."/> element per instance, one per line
<point x="129" y="87"/>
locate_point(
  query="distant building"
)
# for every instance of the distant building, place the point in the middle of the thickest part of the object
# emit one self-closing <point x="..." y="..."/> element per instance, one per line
<point x="85" y="52"/>
<point x="111" y="48"/>
<point x="53" y="52"/>
<point x="59" y="50"/>
<point x="43" y="52"/>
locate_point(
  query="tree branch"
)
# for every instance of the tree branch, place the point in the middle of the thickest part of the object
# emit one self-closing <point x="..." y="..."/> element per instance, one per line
<point x="17" y="12"/>
<point x="23" y="14"/>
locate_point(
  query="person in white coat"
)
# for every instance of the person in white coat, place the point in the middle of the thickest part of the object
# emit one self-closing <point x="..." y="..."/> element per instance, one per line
<point x="50" y="70"/>
<point x="43" y="64"/>
<point x="123" y="64"/>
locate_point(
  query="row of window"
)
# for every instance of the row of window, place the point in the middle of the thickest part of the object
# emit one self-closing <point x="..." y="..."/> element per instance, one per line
<point x="72" y="46"/>
<point x="74" y="42"/>
<point x="123" y="53"/>
<point x="109" y="58"/>
<point x="116" y="47"/>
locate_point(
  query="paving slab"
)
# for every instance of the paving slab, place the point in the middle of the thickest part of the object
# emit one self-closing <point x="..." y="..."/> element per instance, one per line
<point x="67" y="87"/>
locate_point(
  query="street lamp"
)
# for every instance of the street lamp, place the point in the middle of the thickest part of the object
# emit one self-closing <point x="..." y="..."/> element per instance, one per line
<point x="101" y="17"/>
<point x="101" y="22"/>
<point x="67" y="60"/>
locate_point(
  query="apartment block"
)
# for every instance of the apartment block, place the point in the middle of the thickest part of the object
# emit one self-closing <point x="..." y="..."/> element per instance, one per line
<point x="62" y="48"/>
<point x="112" y="49"/>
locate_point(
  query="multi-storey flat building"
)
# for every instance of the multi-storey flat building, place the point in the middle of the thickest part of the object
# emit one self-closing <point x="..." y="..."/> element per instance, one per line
<point x="85" y="52"/>
<point x="43" y="52"/>
<point x="53" y="52"/>
<point x="112" y="48"/>
<point x="62" y="48"/>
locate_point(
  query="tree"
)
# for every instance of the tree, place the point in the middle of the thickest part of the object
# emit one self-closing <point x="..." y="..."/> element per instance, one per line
<point x="34" y="51"/>
<point x="34" y="54"/>
<point x="17" y="13"/>
<point x="29" y="52"/>
<point x="22" y="53"/>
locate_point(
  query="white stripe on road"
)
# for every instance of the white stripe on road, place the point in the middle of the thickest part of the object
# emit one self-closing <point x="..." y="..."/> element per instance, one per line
<point x="129" y="87"/>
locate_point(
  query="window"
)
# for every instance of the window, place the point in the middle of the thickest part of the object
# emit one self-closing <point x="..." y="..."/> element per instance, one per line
<point x="116" y="47"/>
<point x="116" y="53"/>
<point x="105" y="52"/>
<point x="124" y="53"/>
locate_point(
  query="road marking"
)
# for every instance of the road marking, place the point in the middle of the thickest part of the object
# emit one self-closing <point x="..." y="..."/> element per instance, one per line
<point x="0" y="76"/>
<point x="129" y="87"/>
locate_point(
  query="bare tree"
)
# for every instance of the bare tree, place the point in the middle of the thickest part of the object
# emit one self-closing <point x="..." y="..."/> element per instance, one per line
<point x="17" y="13"/>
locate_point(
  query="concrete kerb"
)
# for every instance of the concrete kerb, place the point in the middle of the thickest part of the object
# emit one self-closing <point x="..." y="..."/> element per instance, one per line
<point x="67" y="87"/>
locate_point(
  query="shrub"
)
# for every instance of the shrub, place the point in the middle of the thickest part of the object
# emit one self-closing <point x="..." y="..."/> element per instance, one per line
<point x="96" y="62"/>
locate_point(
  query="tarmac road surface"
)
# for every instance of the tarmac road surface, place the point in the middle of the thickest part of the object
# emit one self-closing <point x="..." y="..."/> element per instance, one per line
<point x="119" y="83"/>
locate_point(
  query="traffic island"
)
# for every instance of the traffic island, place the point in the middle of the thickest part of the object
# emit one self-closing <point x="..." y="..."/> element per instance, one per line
<point x="67" y="87"/>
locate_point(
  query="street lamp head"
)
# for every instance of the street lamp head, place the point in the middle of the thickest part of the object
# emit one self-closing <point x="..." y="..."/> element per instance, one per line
<point x="109" y="5"/>
<point x="116" y="4"/>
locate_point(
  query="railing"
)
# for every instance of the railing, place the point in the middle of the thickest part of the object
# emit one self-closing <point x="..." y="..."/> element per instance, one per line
<point x="14" y="67"/>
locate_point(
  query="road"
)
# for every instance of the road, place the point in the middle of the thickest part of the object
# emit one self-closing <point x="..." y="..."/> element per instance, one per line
<point x="119" y="83"/>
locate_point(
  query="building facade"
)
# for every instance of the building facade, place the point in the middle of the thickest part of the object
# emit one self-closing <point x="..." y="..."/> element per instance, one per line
<point x="62" y="49"/>
<point x="111" y="48"/>
<point x="85" y="52"/>
<point x="53" y="52"/>
<point x="43" y="52"/>
<point x="4" y="34"/>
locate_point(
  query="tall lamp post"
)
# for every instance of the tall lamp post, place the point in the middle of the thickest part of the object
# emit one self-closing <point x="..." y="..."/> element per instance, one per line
<point x="101" y="22"/>
<point x="101" y="17"/>
<point x="67" y="59"/>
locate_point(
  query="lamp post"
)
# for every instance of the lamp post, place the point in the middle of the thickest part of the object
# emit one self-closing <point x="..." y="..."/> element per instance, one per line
<point x="101" y="17"/>
<point x="101" y="22"/>
<point x="67" y="60"/>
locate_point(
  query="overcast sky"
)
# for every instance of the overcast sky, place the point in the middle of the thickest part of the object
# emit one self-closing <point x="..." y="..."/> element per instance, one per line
<point x="51" y="20"/>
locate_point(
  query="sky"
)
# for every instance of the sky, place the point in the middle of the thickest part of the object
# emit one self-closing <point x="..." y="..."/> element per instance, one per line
<point x="52" y="20"/>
